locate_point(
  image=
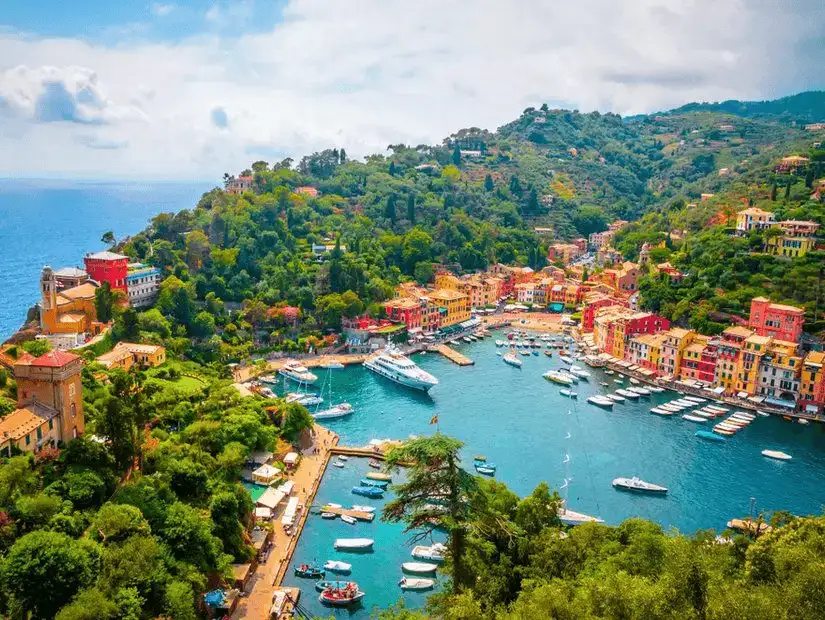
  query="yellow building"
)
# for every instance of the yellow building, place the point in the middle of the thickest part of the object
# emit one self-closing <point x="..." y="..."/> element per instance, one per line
<point x="128" y="354"/>
<point x="675" y="341"/>
<point x="691" y="356"/>
<point x="790" y="246"/>
<point x="812" y="382"/>
<point x="444" y="279"/>
<point x="455" y="306"/>
<point x="747" y="375"/>
<point x="68" y="311"/>
<point x="779" y="372"/>
<point x="753" y="218"/>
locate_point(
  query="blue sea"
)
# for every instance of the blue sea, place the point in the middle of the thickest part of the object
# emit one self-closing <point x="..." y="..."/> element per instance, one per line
<point x="56" y="222"/>
<point x="519" y="421"/>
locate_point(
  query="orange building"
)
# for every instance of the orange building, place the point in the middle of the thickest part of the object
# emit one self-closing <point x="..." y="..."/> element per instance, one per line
<point x="812" y="383"/>
<point x="127" y="354"/>
<point x="70" y="312"/>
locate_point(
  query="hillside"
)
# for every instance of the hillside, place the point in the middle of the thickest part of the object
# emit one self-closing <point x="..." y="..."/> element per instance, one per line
<point x="807" y="107"/>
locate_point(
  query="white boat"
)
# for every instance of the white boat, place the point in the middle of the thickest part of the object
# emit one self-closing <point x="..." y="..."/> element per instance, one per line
<point x="420" y="568"/>
<point x="637" y="484"/>
<point x="337" y="566"/>
<point x="338" y="411"/>
<point x="696" y="399"/>
<point x="694" y="418"/>
<point x="498" y="353"/>
<point x="764" y="414"/>
<point x="600" y="401"/>
<point x="354" y="543"/>
<point x="331" y="505"/>
<point x="416" y="584"/>
<point x="627" y="394"/>
<point x="434" y="552"/>
<point x="616" y="398"/>
<point x="512" y="359"/>
<point x="398" y="368"/>
<point x="660" y="411"/>
<point x="295" y="371"/>
<point x="307" y="400"/>
<point x="343" y="457"/>
<point x="337" y="464"/>
<point x="500" y="343"/>
<point x="619" y="381"/>
<point x="558" y="377"/>
<point x="566" y="359"/>
<point x="349" y="519"/>
<point x="777" y="454"/>
<point x="634" y="381"/>
<point x="466" y="339"/>
<point x="640" y="390"/>
<point x="568" y="393"/>
<point x="655" y="388"/>
<point x="360" y="508"/>
<point x="581" y="373"/>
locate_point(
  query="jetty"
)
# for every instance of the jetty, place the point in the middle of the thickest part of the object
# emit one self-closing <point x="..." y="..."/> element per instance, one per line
<point x="355" y="514"/>
<point x="453" y="355"/>
<point x="749" y="526"/>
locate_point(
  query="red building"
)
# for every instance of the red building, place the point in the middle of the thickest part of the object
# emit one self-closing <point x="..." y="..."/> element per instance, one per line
<point x="592" y="304"/>
<point x="707" y="362"/>
<point x="108" y="267"/>
<point x="645" y="323"/>
<point x="407" y="311"/>
<point x="777" y="321"/>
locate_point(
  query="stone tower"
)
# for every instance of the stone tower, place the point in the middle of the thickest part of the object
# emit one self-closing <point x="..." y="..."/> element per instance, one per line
<point x="48" y="300"/>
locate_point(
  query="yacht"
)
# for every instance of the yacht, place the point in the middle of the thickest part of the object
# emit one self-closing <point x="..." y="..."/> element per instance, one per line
<point x="336" y="411"/>
<point x="297" y="372"/>
<point x="396" y="367"/>
<point x="558" y="377"/>
<point x="307" y="400"/>
<point x="636" y="484"/>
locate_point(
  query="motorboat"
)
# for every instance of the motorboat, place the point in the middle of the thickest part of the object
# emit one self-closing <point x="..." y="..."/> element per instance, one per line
<point x="640" y="390"/>
<point x="511" y="359"/>
<point x="307" y="400"/>
<point x="566" y="359"/>
<point x="764" y="414"/>
<point x="485" y="470"/>
<point x="619" y="381"/>
<point x="656" y="389"/>
<point x="298" y="373"/>
<point x="381" y="484"/>
<point x="660" y="411"/>
<point x="336" y="566"/>
<point x="696" y="399"/>
<point x="616" y="398"/>
<point x="349" y="519"/>
<point x="638" y="485"/>
<point x="525" y="353"/>
<point x="323" y="585"/>
<point x="604" y="384"/>
<point x="500" y="343"/>
<point x="416" y="584"/>
<point x="433" y="553"/>
<point x="548" y="353"/>
<point x="609" y="372"/>
<point x="634" y="381"/>
<point x="466" y="339"/>
<point x="328" y="515"/>
<point x="419" y="568"/>
<point x="345" y="544"/>
<point x="337" y="464"/>
<point x="343" y="457"/>
<point x="308" y="571"/>
<point x="600" y="401"/>
<point x="342" y="597"/>
<point x="578" y="371"/>
<point x="360" y="508"/>
<point x="340" y="410"/>
<point x="374" y="464"/>
<point x="708" y="435"/>
<point x="568" y="393"/>
<point x="627" y="394"/>
<point x="395" y="366"/>
<point x="694" y="418"/>
<point x="777" y="454"/>
<point x="372" y="492"/>
<point x="558" y="377"/>
<point x="378" y="475"/>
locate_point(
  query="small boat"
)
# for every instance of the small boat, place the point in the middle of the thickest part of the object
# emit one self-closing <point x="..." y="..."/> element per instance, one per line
<point x="331" y="505"/>
<point x="609" y="372"/>
<point x="548" y="353"/>
<point x="479" y="458"/>
<point x="511" y="359"/>
<point x="360" y="508"/>
<point x="600" y="401"/>
<point x="345" y="544"/>
<point x="657" y="389"/>
<point x="337" y="464"/>
<point x="308" y="571"/>
<point x="535" y="352"/>
<point x="660" y="411"/>
<point x="420" y="568"/>
<point x="566" y="359"/>
<point x="708" y="435"/>
<point x="694" y="418"/>
<point x="604" y="384"/>
<point x="637" y="484"/>
<point x="616" y="398"/>
<point x="500" y="343"/>
<point x="634" y="381"/>
<point x="627" y="394"/>
<point x="640" y="390"/>
<point x="466" y="339"/>
<point x="349" y="519"/>
<point x="343" y="457"/>
<point x="342" y="597"/>
<point x="498" y="353"/>
<point x="620" y="381"/>
<point x="372" y="492"/>
<point x="328" y="515"/>
<point x="307" y="400"/>
<point x="323" y="585"/>
<point x="486" y="469"/>
<point x="777" y="454"/>
<point x="381" y="484"/>
<point x="336" y="566"/>
<point x="722" y="431"/>
<point x="568" y="393"/>
<point x="696" y="399"/>
<point x="377" y="475"/>
<point x="434" y="553"/>
<point x="338" y="411"/>
<point x="416" y="584"/>
<point x="764" y="414"/>
<point x="524" y="352"/>
<point x="803" y="421"/>
<point x="558" y="377"/>
<point x="374" y="464"/>
<point x="581" y="373"/>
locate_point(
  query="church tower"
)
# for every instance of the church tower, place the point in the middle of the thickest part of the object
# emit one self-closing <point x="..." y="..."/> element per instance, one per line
<point x="48" y="300"/>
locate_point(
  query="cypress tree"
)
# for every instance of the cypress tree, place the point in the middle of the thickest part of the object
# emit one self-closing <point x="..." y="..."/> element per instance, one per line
<point x="457" y="156"/>
<point x="411" y="208"/>
<point x="788" y="190"/>
<point x="488" y="183"/>
<point x="773" y="191"/>
<point x="390" y="213"/>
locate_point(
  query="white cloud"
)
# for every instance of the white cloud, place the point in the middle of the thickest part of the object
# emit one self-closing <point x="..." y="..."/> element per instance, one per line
<point x="159" y="9"/>
<point x="364" y="74"/>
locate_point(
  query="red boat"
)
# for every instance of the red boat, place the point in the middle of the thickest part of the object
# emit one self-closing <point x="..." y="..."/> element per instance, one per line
<point x="342" y="597"/>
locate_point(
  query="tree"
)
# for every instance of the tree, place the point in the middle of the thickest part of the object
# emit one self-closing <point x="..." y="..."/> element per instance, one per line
<point x="44" y="570"/>
<point x="788" y="189"/>
<point x="773" y="191"/>
<point x="126" y="325"/>
<point x="392" y="169"/>
<point x="295" y="419"/>
<point x="389" y="211"/>
<point x="809" y="176"/>
<point x="90" y="604"/>
<point x="108" y="238"/>
<point x="423" y="272"/>
<point x="411" y="208"/>
<point x="180" y="601"/>
<point x="434" y="475"/>
<point x="203" y="326"/>
<point x="117" y="522"/>
<point x="416" y="247"/>
<point x="488" y="183"/>
<point x="457" y="156"/>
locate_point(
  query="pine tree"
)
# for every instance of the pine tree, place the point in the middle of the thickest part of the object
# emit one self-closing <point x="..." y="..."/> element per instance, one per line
<point x="773" y="191"/>
<point x="411" y="208"/>
<point x="488" y="183"/>
<point x="392" y="169"/>
<point x="515" y="186"/>
<point x="457" y="156"/>
<point x="809" y="177"/>
<point x="788" y="190"/>
<point x="533" y="202"/>
<point x="390" y="213"/>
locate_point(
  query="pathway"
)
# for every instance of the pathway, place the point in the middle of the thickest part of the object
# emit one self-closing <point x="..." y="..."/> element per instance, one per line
<point x="453" y="355"/>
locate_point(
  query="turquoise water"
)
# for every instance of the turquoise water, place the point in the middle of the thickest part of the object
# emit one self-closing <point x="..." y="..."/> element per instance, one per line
<point x="55" y="223"/>
<point x="255" y="490"/>
<point x="521" y="422"/>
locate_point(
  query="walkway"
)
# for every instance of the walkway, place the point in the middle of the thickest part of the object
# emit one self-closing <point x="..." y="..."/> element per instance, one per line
<point x="453" y="355"/>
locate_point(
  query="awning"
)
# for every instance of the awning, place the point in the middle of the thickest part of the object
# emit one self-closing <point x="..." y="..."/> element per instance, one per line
<point x="286" y="487"/>
<point x="781" y="402"/>
<point x="718" y="390"/>
<point x="262" y="512"/>
<point x="270" y="498"/>
<point x="742" y="394"/>
<point x="291" y="458"/>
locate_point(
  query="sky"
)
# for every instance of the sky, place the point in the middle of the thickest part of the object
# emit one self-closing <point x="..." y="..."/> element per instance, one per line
<point x="188" y="90"/>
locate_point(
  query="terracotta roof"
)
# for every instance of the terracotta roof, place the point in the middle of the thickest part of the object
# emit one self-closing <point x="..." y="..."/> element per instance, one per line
<point x="738" y="330"/>
<point x="447" y="294"/>
<point x="54" y="359"/>
<point x="84" y="291"/>
<point x="23" y="421"/>
<point x="70" y="317"/>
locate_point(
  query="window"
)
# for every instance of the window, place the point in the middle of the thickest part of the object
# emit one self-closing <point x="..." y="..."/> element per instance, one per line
<point x="39" y="434"/>
<point x="51" y="424"/>
<point x="28" y="439"/>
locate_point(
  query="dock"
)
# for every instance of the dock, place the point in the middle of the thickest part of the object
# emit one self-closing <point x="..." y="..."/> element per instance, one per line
<point x="453" y="355"/>
<point x="356" y="514"/>
<point x="749" y="526"/>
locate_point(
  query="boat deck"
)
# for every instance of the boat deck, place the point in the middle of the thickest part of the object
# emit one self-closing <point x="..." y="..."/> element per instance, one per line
<point x="356" y="514"/>
<point x="453" y="355"/>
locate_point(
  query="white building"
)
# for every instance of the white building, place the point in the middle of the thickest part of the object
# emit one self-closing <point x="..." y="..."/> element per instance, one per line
<point x="142" y="284"/>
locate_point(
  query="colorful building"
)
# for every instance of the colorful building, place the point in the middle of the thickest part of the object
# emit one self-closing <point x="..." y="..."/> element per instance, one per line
<point x="594" y="302"/>
<point x="779" y="374"/>
<point x="747" y="376"/>
<point x="776" y="320"/>
<point x="455" y="306"/>
<point x="728" y="355"/>
<point x="67" y="316"/>
<point x="812" y="383"/>
<point x="49" y="403"/>
<point x="675" y="342"/>
<point x="797" y="238"/>
<point x="753" y="218"/>
<point x="124" y="355"/>
<point x="614" y="326"/>
<point x="408" y="311"/>
<point x="624" y="278"/>
<point x="239" y="185"/>
<point x="108" y="267"/>
<point x="564" y="252"/>
<point x="669" y="271"/>
<point x="142" y="284"/>
<point x="645" y="350"/>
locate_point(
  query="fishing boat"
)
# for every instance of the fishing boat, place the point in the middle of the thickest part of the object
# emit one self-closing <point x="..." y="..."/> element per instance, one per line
<point x="323" y="585"/>
<point x="777" y="454"/>
<point x="627" y="394"/>
<point x="342" y="597"/>
<point x="694" y="418"/>
<point x="372" y="492"/>
<point x="511" y="359"/>
<point x="381" y="484"/>
<point x="419" y="568"/>
<point x="558" y="377"/>
<point x="416" y="584"/>
<point x="298" y="373"/>
<point x="308" y="571"/>
<point x="600" y="401"/>
<point x="396" y="367"/>
<point x="638" y="485"/>
<point x="568" y="393"/>
<point x="616" y="398"/>
<point x="328" y="515"/>
<point x="433" y="553"/>
<point x="345" y="544"/>
<point x="479" y="457"/>
<point x="360" y="508"/>
<point x="374" y="464"/>
<point x="535" y="353"/>
<point x="349" y="519"/>
<point x="378" y="475"/>
<point x="708" y="435"/>
<point x="336" y="566"/>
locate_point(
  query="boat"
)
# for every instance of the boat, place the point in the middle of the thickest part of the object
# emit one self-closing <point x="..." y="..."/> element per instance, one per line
<point x="485" y="469"/>
<point x="777" y="454"/>
<point x="568" y="393"/>
<point x="635" y="381"/>
<point x="367" y="482"/>
<point x="524" y="352"/>
<point x="308" y="571"/>
<point x="581" y="373"/>
<point x="328" y="515"/>
<point x="627" y="394"/>
<point x="336" y="566"/>
<point x="337" y="464"/>
<point x="694" y="418"/>
<point x="656" y="389"/>
<point x="637" y="484"/>
<point x="298" y="373"/>
<point x="374" y="464"/>
<point x="803" y="421"/>
<point x="696" y="399"/>
<point x="511" y="359"/>
<point x="708" y="435"/>
<point x="660" y="411"/>
<point x="604" y="384"/>
<point x="342" y="597"/>
<point x="548" y="353"/>
<point x="349" y="519"/>
<point x="616" y="398"/>
<point x="466" y="339"/>
<point x="640" y="390"/>
<point x="307" y="400"/>
<point x="395" y="366"/>
<point x="337" y="411"/>
<point x="360" y="508"/>
<point x="535" y="352"/>
<point x="378" y="475"/>
<point x="479" y="457"/>
<point x="619" y="381"/>
<point x="498" y="353"/>
<point x="434" y="552"/>
<point x="416" y="584"/>
<point x="566" y="359"/>
<point x="323" y="585"/>
<point x="345" y="544"/>
<point x="600" y="401"/>
<point x="724" y="432"/>
<point x="372" y="492"/>
<point x="420" y="568"/>
<point x="764" y="414"/>
<point x="609" y="372"/>
<point x="558" y="377"/>
<point x="500" y="343"/>
<point x="343" y="457"/>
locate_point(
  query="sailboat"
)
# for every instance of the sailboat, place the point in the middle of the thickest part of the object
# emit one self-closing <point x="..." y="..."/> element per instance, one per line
<point x="571" y="517"/>
<point x="334" y="411"/>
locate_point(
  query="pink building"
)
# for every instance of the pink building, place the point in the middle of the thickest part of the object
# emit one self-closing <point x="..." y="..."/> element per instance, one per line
<point x="777" y="321"/>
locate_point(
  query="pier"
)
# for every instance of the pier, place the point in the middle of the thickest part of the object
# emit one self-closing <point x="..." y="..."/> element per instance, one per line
<point x="453" y="355"/>
<point x="355" y="514"/>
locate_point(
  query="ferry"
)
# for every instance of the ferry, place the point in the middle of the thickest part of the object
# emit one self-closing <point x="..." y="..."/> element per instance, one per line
<point x="402" y="370"/>
<point x="297" y="372"/>
<point x="637" y="484"/>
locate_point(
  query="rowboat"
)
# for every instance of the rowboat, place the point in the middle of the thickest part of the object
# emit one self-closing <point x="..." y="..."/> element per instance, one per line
<point x="345" y="597"/>
<point x="419" y="568"/>
<point x="416" y="584"/>
<point x="433" y="553"/>
<point x="323" y="585"/>
<point x="627" y="394"/>
<point x="349" y="519"/>
<point x="694" y="418"/>
<point x="374" y="464"/>
<point x="337" y="464"/>
<point x="373" y="492"/>
<point x="345" y="544"/>
<point x="376" y="475"/>
<point x="337" y="566"/>
<point x="381" y="484"/>
<point x="777" y="454"/>
<point x="486" y="471"/>
<point x="328" y="515"/>
<point x="309" y="571"/>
